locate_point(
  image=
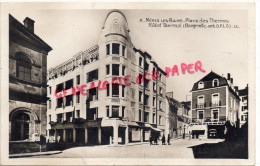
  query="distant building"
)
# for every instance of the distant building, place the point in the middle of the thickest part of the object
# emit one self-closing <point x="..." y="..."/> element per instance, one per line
<point x="214" y="102"/>
<point x="119" y="113"/>
<point x="178" y="118"/>
<point x="243" y="109"/>
<point x="27" y="86"/>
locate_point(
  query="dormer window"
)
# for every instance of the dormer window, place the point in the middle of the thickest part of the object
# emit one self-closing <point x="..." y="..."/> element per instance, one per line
<point x="201" y="85"/>
<point x="215" y="82"/>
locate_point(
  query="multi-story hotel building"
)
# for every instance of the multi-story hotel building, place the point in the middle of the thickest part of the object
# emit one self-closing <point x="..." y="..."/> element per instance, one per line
<point x="214" y="102"/>
<point x="243" y="109"/>
<point x="111" y="94"/>
<point x="27" y="87"/>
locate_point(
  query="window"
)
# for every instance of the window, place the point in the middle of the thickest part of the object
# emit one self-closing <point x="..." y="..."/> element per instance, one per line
<point x="107" y="89"/>
<point x="123" y="90"/>
<point x="69" y="116"/>
<point x="107" y="69"/>
<point x="146" y="100"/>
<point x="200" y="114"/>
<point x="59" y="87"/>
<point x="215" y="99"/>
<point x="153" y="117"/>
<point x="49" y="104"/>
<point x="93" y="94"/>
<point x="78" y="113"/>
<point x="215" y="82"/>
<point x="200" y="100"/>
<point x="160" y="119"/>
<point x="123" y="70"/>
<point x="123" y="50"/>
<point x="115" y="48"/>
<point x="140" y="115"/>
<point x="78" y="97"/>
<point x="154" y="86"/>
<point x="200" y="85"/>
<point x="140" y="61"/>
<point x="78" y="79"/>
<point x="244" y="108"/>
<point x="146" y="83"/>
<point x="23" y="68"/>
<point x="59" y="118"/>
<point x="160" y="76"/>
<point x="49" y="118"/>
<point x="69" y="100"/>
<point x="59" y="102"/>
<point x="107" y="107"/>
<point x="231" y="102"/>
<point x="69" y="84"/>
<point x="115" y="90"/>
<point x="160" y="104"/>
<point x="123" y="111"/>
<point x="160" y="90"/>
<point x="92" y="76"/>
<point x="50" y="89"/>
<point x="140" y="96"/>
<point x="108" y="49"/>
<point x="146" y="116"/>
<point x="115" y="69"/>
<point x="153" y="101"/>
<point x="115" y="111"/>
<point x="92" y="114"/>
<point x="140" y="78"/>
<point x="215" y="115"/>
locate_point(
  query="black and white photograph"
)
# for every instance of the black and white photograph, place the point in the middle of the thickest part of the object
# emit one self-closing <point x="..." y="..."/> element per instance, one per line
<point x="91" y="83"/>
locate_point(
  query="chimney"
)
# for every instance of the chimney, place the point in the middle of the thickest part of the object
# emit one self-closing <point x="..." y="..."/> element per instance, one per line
<point x="236" y="88"/>
<point x="228" y="76"/>
<point x="29" y="24"/>
<point x="231" y="81"/>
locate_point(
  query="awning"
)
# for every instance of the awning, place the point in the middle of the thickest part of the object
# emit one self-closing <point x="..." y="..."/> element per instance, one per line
<point x="153" y="128"/>
<point x="132" y="124"/>
<point x="156" y="129"/>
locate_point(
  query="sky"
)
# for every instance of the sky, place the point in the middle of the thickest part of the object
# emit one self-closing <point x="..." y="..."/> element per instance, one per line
<point x="220" y="50"/>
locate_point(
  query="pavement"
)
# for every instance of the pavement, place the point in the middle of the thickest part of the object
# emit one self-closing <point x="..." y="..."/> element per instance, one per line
<point x="34" y="154"/>
<point x="178" y="149"/>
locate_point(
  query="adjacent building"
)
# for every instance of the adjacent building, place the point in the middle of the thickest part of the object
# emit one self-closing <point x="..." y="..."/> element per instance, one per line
<point x="27" y="87"/>
<point x="115" y="93"/>
<point x="178" y="117"/>
<point x="243" y="109"/>
<point x="214" y="102"/>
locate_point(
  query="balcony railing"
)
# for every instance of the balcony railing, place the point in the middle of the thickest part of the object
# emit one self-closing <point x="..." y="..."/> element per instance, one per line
<point x="201" y="105"/>
<point x="215" y="104"/>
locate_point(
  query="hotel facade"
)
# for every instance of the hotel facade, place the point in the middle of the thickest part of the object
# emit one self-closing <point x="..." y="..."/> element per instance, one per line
<point x="115" y="93"/>
<point x="215" y="100"/>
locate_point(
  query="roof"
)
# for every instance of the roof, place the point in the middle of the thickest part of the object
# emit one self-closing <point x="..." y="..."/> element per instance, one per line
<point x="207" y="80"/>
<point x="34" y="39"/>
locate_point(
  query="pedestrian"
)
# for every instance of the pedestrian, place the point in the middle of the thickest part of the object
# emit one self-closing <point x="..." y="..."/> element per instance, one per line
<point x="163" y="140"/>
<point x="155" y="139"/>
<point x="168" y="139"/>
<point x="190" y="135"/>
<point x="151" y="140"/>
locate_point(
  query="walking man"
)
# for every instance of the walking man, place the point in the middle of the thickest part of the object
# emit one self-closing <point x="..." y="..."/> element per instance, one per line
<point x="168" y="139"/>
<point x="163" y="140"/>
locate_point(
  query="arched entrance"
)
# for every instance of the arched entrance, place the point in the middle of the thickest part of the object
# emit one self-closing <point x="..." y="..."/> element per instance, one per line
<point x="22" y="121"/>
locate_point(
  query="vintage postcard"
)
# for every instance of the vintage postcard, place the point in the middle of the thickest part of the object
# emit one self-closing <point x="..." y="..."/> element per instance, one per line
<point x="91" y="83"/>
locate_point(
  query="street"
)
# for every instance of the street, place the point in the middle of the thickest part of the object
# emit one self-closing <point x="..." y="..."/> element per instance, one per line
<point x="178" y="149"/>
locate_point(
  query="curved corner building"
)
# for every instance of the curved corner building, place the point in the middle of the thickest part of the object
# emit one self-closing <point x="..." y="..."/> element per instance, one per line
<point x="106" y="112"/>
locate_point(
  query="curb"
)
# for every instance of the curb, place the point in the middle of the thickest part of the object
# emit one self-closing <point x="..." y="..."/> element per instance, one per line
<point x="33" y="154"/>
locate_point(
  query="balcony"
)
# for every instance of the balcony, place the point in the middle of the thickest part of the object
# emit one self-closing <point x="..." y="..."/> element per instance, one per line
<point x="201" y="105"/>
<point x="215" y="104"/>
